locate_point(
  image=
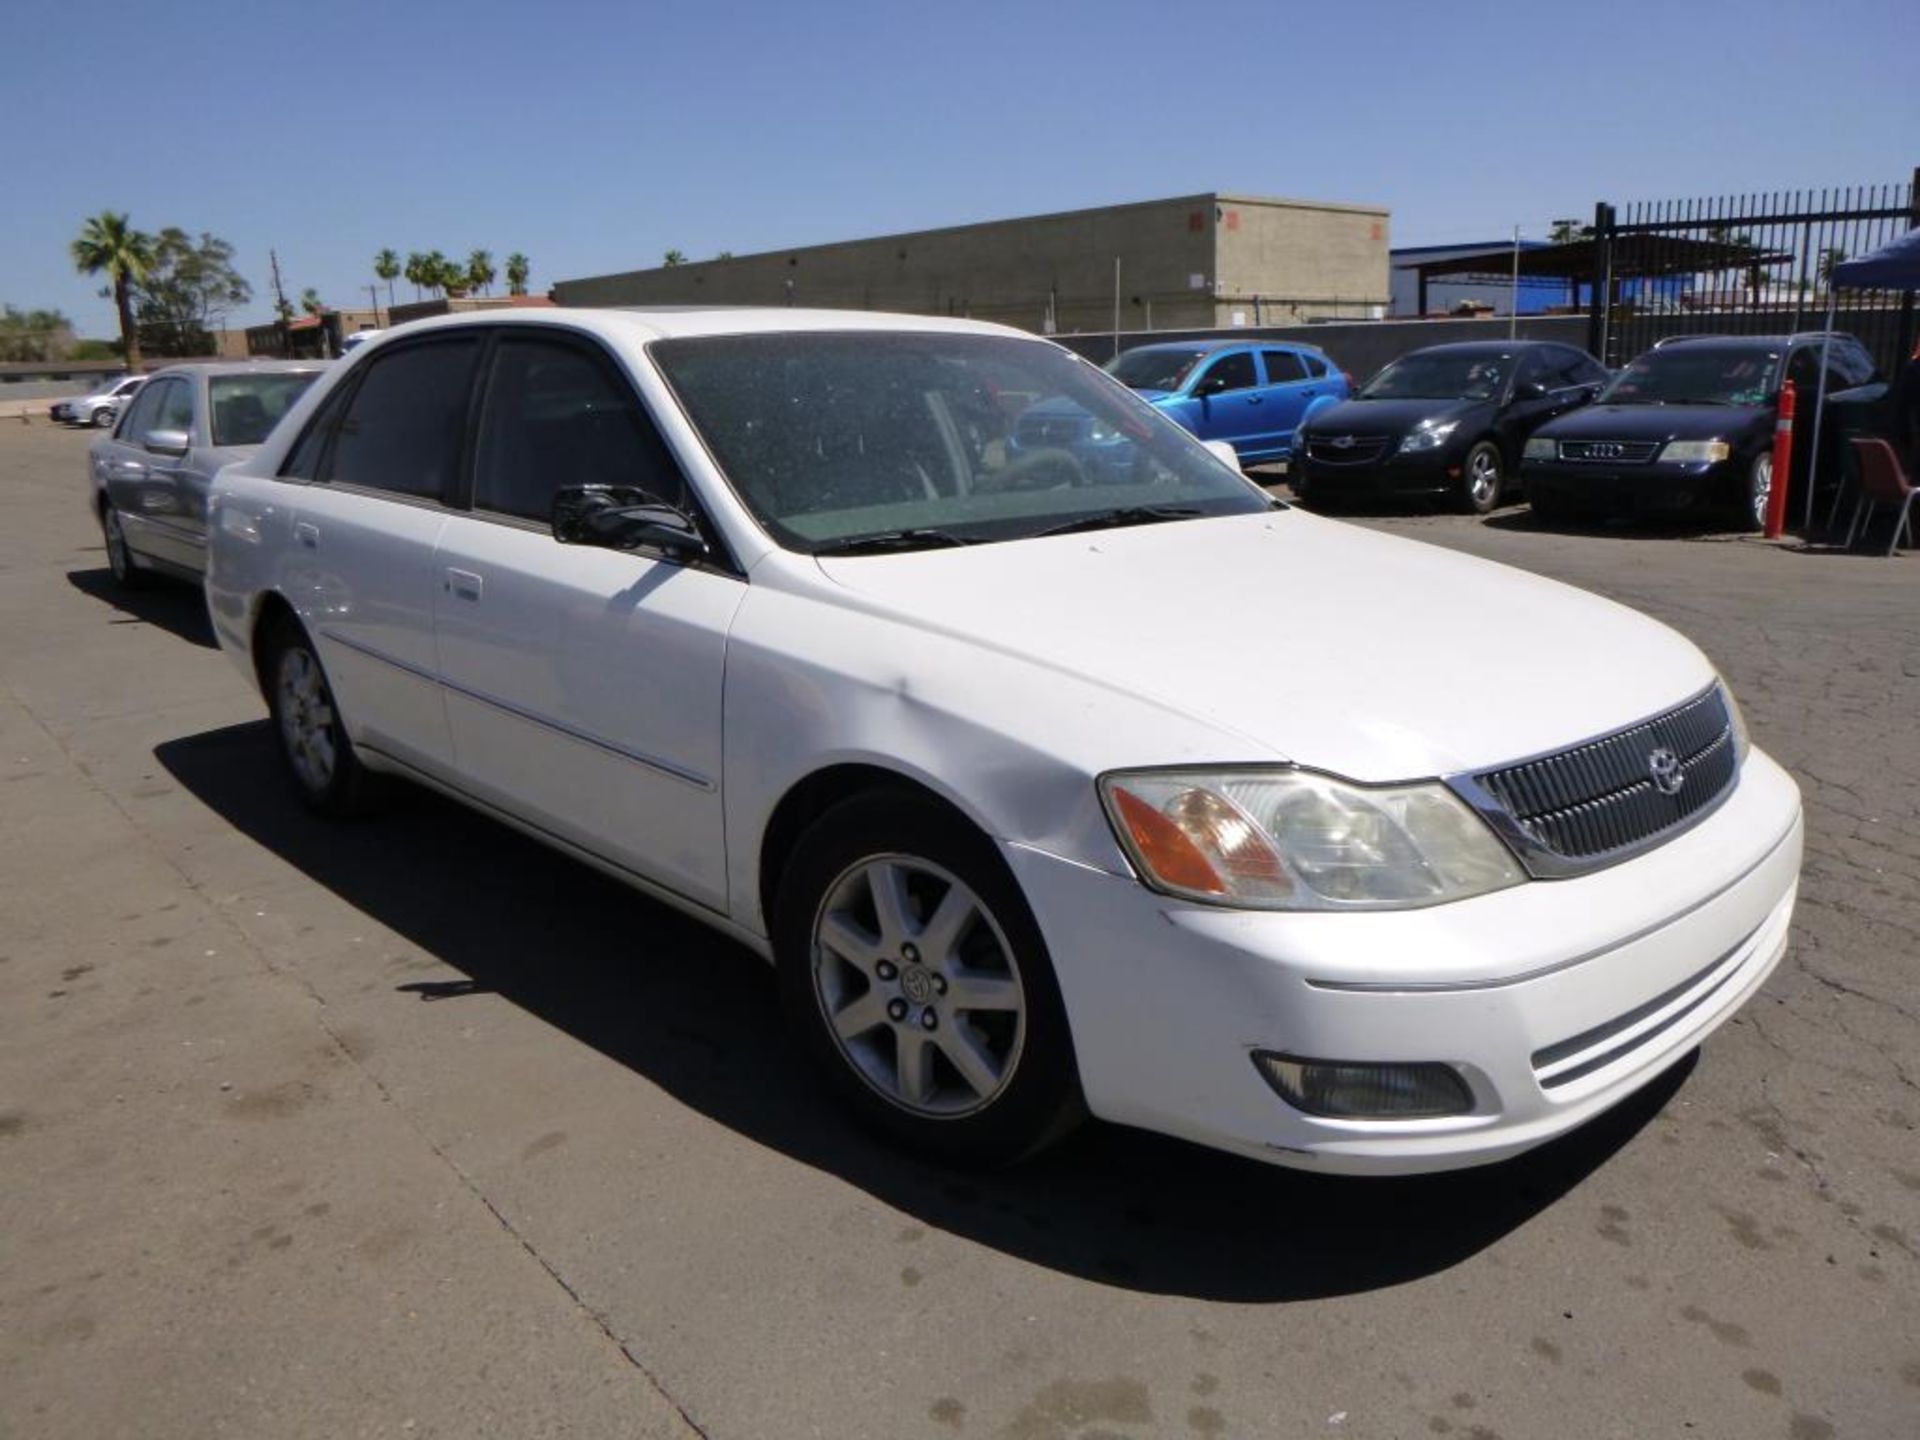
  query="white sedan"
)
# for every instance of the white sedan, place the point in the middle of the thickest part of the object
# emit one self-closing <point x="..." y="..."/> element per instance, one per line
<point x="1054" y="766"/>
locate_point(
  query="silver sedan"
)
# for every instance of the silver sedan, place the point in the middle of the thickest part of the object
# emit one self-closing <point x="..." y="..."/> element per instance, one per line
<point x="148" y="480"/>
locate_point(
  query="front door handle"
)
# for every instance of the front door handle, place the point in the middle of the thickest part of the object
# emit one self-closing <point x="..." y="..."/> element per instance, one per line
<point x="306" y="534"/>
<point x="463" y="583"/>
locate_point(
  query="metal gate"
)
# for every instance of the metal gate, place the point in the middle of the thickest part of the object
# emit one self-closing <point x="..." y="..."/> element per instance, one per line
<point x="1746" y="265"/>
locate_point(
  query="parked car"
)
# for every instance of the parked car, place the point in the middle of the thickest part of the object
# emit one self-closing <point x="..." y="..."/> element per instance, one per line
<point x="1001" y="765"/>
<point x="1689" y="427"/>
<point x="100" y="407"/>
<point x="1448" y="421"/>
<point x="148" y="480"/>
<point x="1251" y="395"/>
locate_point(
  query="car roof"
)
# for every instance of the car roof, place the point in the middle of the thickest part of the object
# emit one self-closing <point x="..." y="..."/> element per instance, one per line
<point x="1208" y="347"/>
<point x="645" y="323"/>
<point x="198" y="368"/>
<point x="1488" y="347"/>
<point x="1775" y="342"/>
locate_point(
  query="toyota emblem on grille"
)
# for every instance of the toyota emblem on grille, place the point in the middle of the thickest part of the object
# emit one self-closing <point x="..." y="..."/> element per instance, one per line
<point x="1667" y="772"/>
<point x="1342" y="442"/>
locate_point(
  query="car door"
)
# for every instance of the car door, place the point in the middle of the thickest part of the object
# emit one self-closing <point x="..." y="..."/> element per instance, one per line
<point x="1291" y="387"/>
<point x="1226" y="400"/>
<point x="380" y="458"/>
<point x="142" y="482"/>
<point x="583" y="684"/>
<point x="1534" y="397"/>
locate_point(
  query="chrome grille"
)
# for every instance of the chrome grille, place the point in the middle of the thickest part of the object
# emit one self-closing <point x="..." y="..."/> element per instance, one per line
<point x="1616" y="452"/>
<point x="1598" y="802"/>
<point x="1360" y="449"/>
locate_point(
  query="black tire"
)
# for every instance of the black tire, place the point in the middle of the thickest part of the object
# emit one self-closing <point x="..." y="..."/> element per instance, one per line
<point x="1482" y="480"/>
<point x="102" y="418"/>
<point x="126" y="574"/>
<point x="1035" y="1098"/>
<point x="325" y="771"/>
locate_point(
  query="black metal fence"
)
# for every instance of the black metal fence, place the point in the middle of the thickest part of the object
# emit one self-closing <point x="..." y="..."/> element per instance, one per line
<point x="1746" y="264"/>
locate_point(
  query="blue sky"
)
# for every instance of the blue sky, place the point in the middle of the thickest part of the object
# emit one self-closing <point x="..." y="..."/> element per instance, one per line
<point x="593" y="137"/>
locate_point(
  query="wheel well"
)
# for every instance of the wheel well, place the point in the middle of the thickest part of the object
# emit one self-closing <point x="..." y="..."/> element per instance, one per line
<point x="273" y="611"/>
<point x="818" y="793"/>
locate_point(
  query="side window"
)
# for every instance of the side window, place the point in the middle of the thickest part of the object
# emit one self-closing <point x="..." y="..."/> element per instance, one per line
<point x="1229" y="372"/>
<point x="1803" y="369"/>
<point x="1852" y="362"/>
<point x="303" y="461"/>
<point x="1284" y="367"/>
<point x="556" y="415"/>
<point x="176" y="406"/>
<point x="137" y="419"/>
<point x="1316" y="365"/>
<point x="402" y="428"/>
<point x="128" y="387"/>
<point x="1587" y="370"/>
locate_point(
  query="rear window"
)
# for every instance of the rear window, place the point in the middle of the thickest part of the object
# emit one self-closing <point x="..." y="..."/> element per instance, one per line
<point x="247" y="407"/>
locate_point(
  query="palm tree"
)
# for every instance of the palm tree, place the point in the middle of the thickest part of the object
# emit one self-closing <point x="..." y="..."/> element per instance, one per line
<point x="480" y="271"/>
<point x="416" y="272"/>
<point x="441" y="274"/>
<point x="674" y="257"/>
<point x="108" y="244"/>
<point x="386" y="266"/>
<point x="1829" y="258"/>
<point x="310" y="301"/>
<point x="518" y="267"/>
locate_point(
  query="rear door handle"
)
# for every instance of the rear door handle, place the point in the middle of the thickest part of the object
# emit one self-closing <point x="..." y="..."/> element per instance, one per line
<point x="463" y="583"/>
<point x="307" y="534"/>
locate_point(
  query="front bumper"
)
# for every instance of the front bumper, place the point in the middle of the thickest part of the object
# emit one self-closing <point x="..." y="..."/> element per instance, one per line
<point x="1650" y="489"/>
<point x="1555" y="999"/>
<point x="1424" y="472"/>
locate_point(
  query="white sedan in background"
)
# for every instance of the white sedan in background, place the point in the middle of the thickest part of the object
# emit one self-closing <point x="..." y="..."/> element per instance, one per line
<point x="1047" y="787"/>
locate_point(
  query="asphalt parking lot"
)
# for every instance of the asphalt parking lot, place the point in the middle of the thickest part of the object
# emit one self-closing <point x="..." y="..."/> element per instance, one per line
<point x="413" y="1128"/>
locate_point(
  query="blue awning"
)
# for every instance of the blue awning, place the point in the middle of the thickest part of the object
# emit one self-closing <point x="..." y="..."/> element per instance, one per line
<point x="1891" y="267"/>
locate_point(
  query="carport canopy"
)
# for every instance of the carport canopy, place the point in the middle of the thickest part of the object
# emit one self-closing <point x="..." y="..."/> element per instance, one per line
<point x="1894" y="266"/>
<point x="1633" y="257"/>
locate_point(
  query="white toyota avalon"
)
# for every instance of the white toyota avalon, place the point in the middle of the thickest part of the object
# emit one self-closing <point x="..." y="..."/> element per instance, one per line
<point x="1054" y="766"/>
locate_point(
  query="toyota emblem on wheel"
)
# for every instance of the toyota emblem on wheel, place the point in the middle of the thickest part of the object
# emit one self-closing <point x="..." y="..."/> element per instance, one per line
<point x="1668" y="773"/>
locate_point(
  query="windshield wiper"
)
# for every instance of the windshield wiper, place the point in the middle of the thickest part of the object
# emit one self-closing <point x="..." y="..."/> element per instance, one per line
<point x="885" y="540"/>
<point x="1115" y="519"/>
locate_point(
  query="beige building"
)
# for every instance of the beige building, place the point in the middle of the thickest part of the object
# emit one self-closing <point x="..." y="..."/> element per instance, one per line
<point x="1193" y="262"/>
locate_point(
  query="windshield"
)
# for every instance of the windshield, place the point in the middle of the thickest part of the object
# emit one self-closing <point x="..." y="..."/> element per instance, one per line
<point x="247" y="407"/>
<point x="1697" y="375"/>
<point x="1153" y="369"/>
<point x="1440" y="376"/>
<point x="831" y="438"/>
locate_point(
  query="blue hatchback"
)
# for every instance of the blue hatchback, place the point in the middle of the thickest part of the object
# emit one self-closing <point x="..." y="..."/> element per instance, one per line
<point x="1254" y="395"/>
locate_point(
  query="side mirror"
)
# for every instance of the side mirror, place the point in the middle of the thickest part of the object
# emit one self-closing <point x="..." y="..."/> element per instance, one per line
<point x="622" y="517"/>
<point x="167" y="442"/>
<point x="1224" y="452"/>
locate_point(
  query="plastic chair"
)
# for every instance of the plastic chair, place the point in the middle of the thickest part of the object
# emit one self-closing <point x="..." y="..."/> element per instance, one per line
<point x="1882" y="482"/>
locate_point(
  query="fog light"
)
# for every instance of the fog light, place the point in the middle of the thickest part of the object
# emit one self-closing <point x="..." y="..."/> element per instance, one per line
<point x="1347" y="1090"/>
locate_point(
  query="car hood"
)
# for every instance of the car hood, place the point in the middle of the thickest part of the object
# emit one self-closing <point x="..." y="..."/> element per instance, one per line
<point x="1388" y="417"/>
<point x="1319" y="642"/>
<point x="1654" y="422"/>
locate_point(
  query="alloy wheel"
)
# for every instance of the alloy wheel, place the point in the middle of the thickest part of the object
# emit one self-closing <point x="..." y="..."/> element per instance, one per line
<point x="306" y="718"/>
<point x="1760" y="490"/>
<point x="1483" y="478"/>
<point x="918" y="986"/>
<point x="118" y="561"/>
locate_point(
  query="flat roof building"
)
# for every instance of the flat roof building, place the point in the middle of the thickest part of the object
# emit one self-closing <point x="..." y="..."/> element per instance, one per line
<point x="1205" y="261"/>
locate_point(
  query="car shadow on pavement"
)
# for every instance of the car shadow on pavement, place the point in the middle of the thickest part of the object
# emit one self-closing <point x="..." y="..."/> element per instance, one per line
<point x="179" y="609"/>
<point x="698" y="1016"/>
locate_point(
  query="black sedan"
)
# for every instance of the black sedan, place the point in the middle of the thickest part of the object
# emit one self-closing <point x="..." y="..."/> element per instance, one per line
<point x="1688" y="428"/>
<point x="1448" y="421"/>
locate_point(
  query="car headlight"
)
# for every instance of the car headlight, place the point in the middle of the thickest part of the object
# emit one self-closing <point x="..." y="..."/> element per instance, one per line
<point x="1696" y="452"/>
<point x="1286" y="839"/>
<point x="1540" y="449"/>
<point x="1101" y="433"/>
<point x="1426" y="436"/>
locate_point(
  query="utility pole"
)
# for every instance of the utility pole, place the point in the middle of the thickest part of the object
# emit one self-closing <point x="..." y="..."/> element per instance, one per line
<point x="1513" y="298"/>
<point x="373" y="294"/>
<point x="280" y="306"/>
